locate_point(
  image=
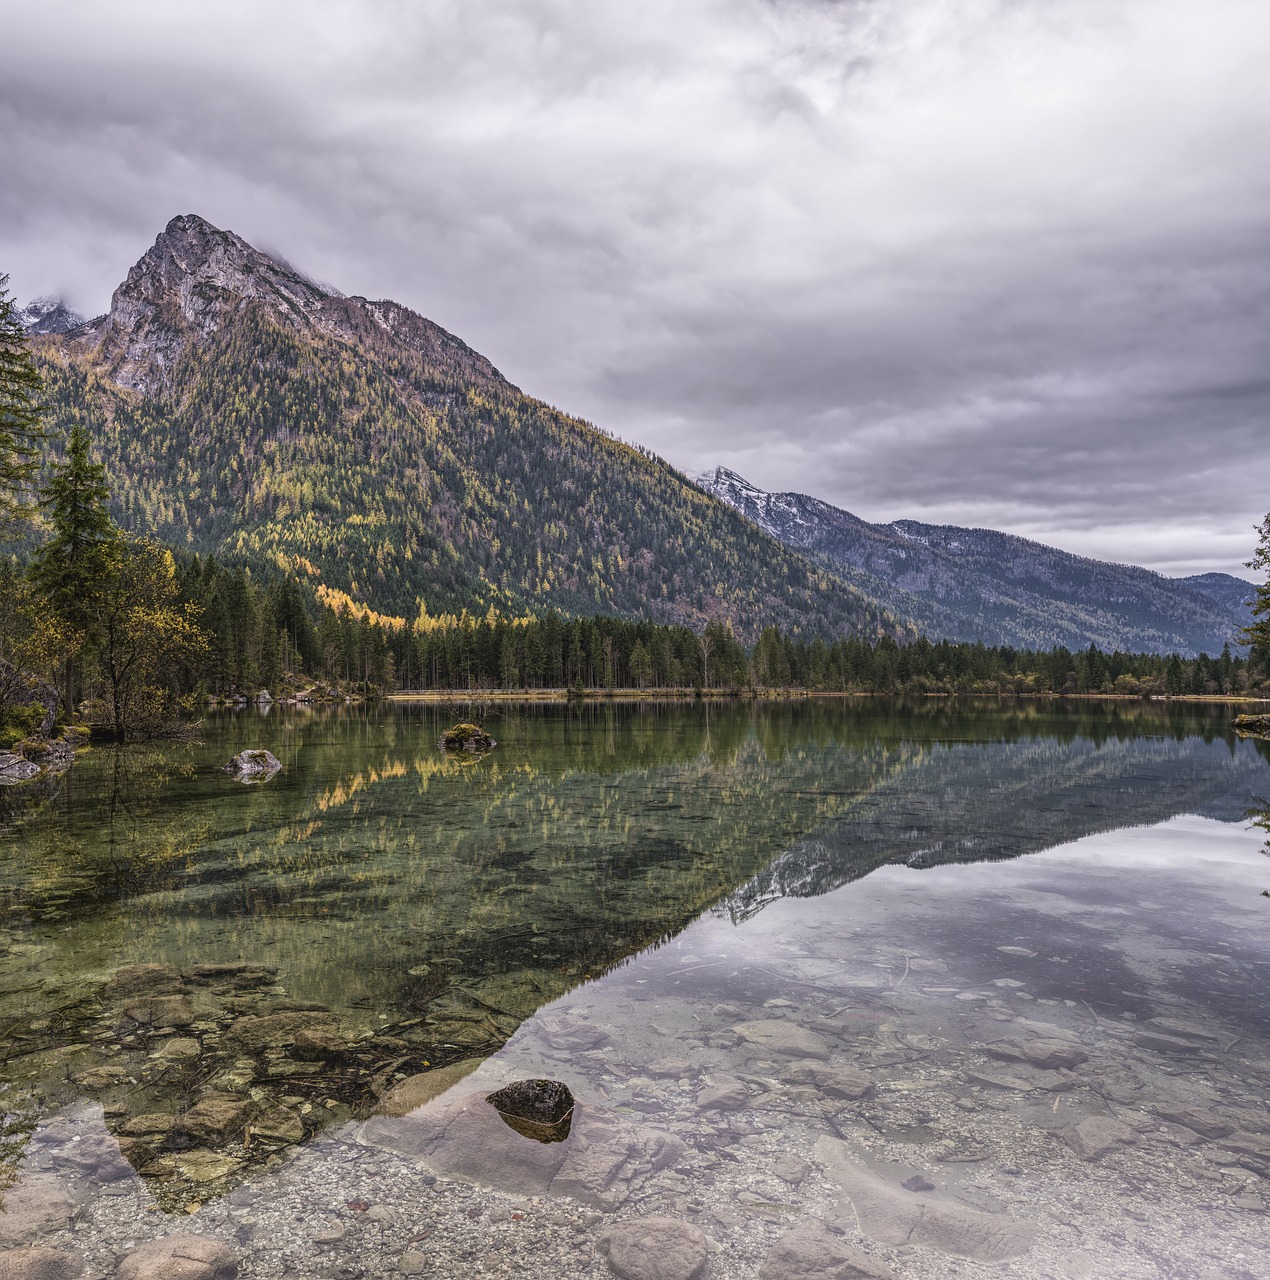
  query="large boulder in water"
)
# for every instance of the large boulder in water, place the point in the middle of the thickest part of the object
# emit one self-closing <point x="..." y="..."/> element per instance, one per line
<point x="253" y="766"/>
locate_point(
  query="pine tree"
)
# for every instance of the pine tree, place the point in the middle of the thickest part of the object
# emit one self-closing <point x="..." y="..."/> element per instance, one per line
<point x="21" y="416"/>
<point x="70" y="568"/>
<point x="1257" y="633"/>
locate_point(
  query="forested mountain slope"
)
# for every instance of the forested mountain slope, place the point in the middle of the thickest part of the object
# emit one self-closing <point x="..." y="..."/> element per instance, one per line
<point x="245" y="410"/>
<point x="979" y="584"/>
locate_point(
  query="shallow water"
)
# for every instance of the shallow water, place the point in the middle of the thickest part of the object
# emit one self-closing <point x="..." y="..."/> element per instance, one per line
<point x="833" y="887"/>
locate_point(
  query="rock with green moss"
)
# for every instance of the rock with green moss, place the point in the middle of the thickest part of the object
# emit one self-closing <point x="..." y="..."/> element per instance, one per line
<point x="466" y="737"/>
<point x="1255" y="726"/>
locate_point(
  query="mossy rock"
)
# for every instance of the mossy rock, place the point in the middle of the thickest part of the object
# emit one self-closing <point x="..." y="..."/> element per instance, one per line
<point x="1257" y="726"/>
<point x="466" y="737"/>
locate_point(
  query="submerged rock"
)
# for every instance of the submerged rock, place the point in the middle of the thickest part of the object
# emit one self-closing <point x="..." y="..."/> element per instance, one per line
<point x="143" y="979"/>
<point x="811" y="1251"/>
<point x="36" y="1207"/>
<point x="39" y="1264"/>
<point x="655" y="1248"/>
<point x="833" y="1082"/>
<point x="180" y="1257"/>
<point x="1094" y="1136"/>
<point x="892" y="1216"/>
<point x="463" y="1136"/>
<point x="778" y="1035"/>
<point x="253" y="766"/>
<point x="1050" y="1055"/>
<point x="419" y="1089"/>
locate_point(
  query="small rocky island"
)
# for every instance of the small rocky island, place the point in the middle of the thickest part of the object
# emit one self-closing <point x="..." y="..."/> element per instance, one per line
<point x="466" y="737"/>
<point x="252" y="766"/>
<point x="1252" y="726"/>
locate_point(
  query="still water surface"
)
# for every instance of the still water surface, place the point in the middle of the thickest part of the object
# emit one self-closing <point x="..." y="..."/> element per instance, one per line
<point x="220" y="1006"/>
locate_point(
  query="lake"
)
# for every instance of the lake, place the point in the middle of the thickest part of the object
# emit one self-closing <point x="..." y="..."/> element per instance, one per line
<point x="840" y="988"/>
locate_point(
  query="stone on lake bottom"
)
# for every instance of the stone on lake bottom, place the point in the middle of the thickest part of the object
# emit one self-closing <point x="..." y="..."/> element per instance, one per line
<point x="179" y="1257"/>
<point x="161" y="1011"/>
<point x="39" y="1264"/>
<point x="179" y="1049"/>
<point x="833" y="1082"/>
<point x="811" y="1251"/>
<point x="655" y="1248"/>
<point x="37" y="1206"/>
<point x="143" y="979"/>
<point x="723" y="1093"/>
<point x="779" y="1035"/>
<point x="277" y="1124"/>
<point x="461" y="1136"/>
<point x="416" y="1090"/>
<point x="891" y="1216"/>
<point x="1049" y="1055"/>
<point x="216" y="1116"/>
<point x="1208" y="1124"/>
<point x="1094" y="1136"/>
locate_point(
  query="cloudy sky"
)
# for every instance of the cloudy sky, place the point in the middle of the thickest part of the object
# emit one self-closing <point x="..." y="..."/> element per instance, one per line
<point x="995" y="262"/>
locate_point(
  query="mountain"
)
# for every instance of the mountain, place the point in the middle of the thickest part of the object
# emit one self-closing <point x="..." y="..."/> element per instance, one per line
<point x="48" y="315"/>
<point x="244" y="409"/>
<point x="977" y="584"/>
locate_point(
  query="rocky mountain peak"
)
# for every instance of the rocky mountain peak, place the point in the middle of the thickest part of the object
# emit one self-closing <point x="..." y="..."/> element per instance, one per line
<point x="185" y="286"/>
<point x="48" y="315"/>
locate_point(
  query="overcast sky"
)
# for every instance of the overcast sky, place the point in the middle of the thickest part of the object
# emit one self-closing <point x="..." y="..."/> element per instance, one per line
<point x="994" y="262"/>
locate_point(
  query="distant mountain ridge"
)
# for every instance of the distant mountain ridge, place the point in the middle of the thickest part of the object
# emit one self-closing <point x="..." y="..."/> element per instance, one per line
<point x="246" y="410"/>
<point x="979" y="584"/>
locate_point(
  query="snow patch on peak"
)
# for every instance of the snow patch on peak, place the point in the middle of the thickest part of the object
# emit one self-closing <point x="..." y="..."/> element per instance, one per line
<point x="721" y="482"/>
<point x="48" y="315"/>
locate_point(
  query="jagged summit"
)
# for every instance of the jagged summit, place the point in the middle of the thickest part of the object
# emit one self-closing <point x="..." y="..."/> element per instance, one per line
<point x="48" y="315"/>
<point x="197" y="277"/>
<point x="204" y="268"/>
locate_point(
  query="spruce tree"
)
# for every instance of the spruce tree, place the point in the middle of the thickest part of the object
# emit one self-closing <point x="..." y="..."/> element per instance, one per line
<point x="72" y="566"/>
<point x="1257" y="633"/>
<point x="21" y="416"/>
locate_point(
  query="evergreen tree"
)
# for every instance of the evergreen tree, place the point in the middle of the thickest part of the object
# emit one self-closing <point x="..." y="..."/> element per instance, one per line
<point x="70" y="567"/>
<point x="21" y="416"/>
<point x="1257" y="633"/>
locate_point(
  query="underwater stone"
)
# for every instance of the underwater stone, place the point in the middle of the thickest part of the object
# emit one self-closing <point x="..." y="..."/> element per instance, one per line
<point x="810" y="1251"/>
<point x="892" y="1216"/>
<point x="655" y="1248"/>
<point x="180" y="1257"/>
<point x="39" y="1264"/>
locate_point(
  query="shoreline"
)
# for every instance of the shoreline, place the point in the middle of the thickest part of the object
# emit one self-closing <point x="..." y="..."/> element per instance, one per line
<point x="784" y="695"/>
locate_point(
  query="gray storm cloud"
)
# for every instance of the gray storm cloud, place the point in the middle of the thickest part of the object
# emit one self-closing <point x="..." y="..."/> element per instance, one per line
<point x="986" y="261"/>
